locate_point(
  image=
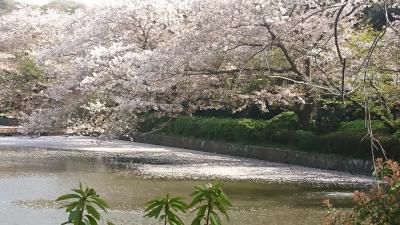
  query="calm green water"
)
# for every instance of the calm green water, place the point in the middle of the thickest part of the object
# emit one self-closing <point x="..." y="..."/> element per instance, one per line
<point x="29" y="183"/>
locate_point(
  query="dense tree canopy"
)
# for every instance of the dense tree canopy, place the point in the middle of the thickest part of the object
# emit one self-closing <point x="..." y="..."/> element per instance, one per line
<point x="97" y="69"/>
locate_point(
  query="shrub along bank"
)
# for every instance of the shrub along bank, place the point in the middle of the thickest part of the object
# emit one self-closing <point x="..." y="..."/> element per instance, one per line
<point x="283" y="131"/>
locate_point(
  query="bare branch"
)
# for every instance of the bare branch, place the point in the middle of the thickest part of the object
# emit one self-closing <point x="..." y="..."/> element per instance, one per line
<point x="342" y="60"/>
<point x="285" y="51"/>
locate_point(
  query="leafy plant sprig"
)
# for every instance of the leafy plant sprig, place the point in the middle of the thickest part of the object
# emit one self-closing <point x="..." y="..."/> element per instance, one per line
<point x="83" y="208"/>
<point x="209" y="199"/>
<point x="165" y="208"/>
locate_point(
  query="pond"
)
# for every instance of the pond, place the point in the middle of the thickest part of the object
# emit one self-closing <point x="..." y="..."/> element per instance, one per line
<point x="30" y="180"/>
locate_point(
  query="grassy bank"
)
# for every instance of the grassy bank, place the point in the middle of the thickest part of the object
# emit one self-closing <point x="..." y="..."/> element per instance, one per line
<point x="283" y="131"/>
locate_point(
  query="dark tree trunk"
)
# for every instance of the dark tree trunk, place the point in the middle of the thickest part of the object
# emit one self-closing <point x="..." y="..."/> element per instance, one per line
<point x="306" y="110"/>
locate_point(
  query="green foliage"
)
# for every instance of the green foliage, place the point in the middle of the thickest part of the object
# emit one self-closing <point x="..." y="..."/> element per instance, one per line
<point x="282" y="130"/>
<point x="379" y="206"/>
<point x="23" y="88"/>
<point x="83" y="210"/>
<point x="396" y="136"/>
<point x="358" y="126"/>
<point x="148" y="122"/>
<point x="396" y="124"/>
<point x="285" y="120"/>
<point x="245" y="131"/>
<point x="345" y="143"/>
<point x="6" y="6"/>
<point x="256" y="84"/>
<point x="359" y="39"/>
<point x="331" y="112"/>
<point x="209" y="201"/>
<point x="327" y="119"/>
<point x="30" y="70"/>
<point x="276" y="58"/>
<point x="226" y="129"/>
<point x="165" y="208"/>
<point x="62" y="5"/>
<point x="375" y="15"/>
<point x="306" y="140"/>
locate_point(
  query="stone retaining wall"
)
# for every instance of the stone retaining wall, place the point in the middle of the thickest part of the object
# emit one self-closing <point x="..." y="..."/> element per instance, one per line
<point x="316" y="160"/>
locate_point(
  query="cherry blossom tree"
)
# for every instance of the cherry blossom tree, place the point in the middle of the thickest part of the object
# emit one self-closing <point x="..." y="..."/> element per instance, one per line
<point x="106" y="66"/>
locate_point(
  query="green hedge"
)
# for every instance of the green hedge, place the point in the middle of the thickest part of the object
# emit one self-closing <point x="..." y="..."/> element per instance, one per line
<point x="283" y="130"/>
<point x="358" y="126"/>
<point x="246" y="131"/>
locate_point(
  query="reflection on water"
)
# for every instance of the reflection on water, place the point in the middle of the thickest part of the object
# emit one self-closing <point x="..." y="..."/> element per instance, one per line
<point x="30" y="181"/>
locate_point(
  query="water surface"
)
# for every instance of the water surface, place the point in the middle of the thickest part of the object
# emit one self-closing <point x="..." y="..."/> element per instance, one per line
<point x="31" y="180"/>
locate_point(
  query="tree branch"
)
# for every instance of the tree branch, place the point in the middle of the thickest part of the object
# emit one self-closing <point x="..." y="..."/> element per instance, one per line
<point x="283" y="48"/>
<point x="342" y="60"/>
<point x="216" y="72"/>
